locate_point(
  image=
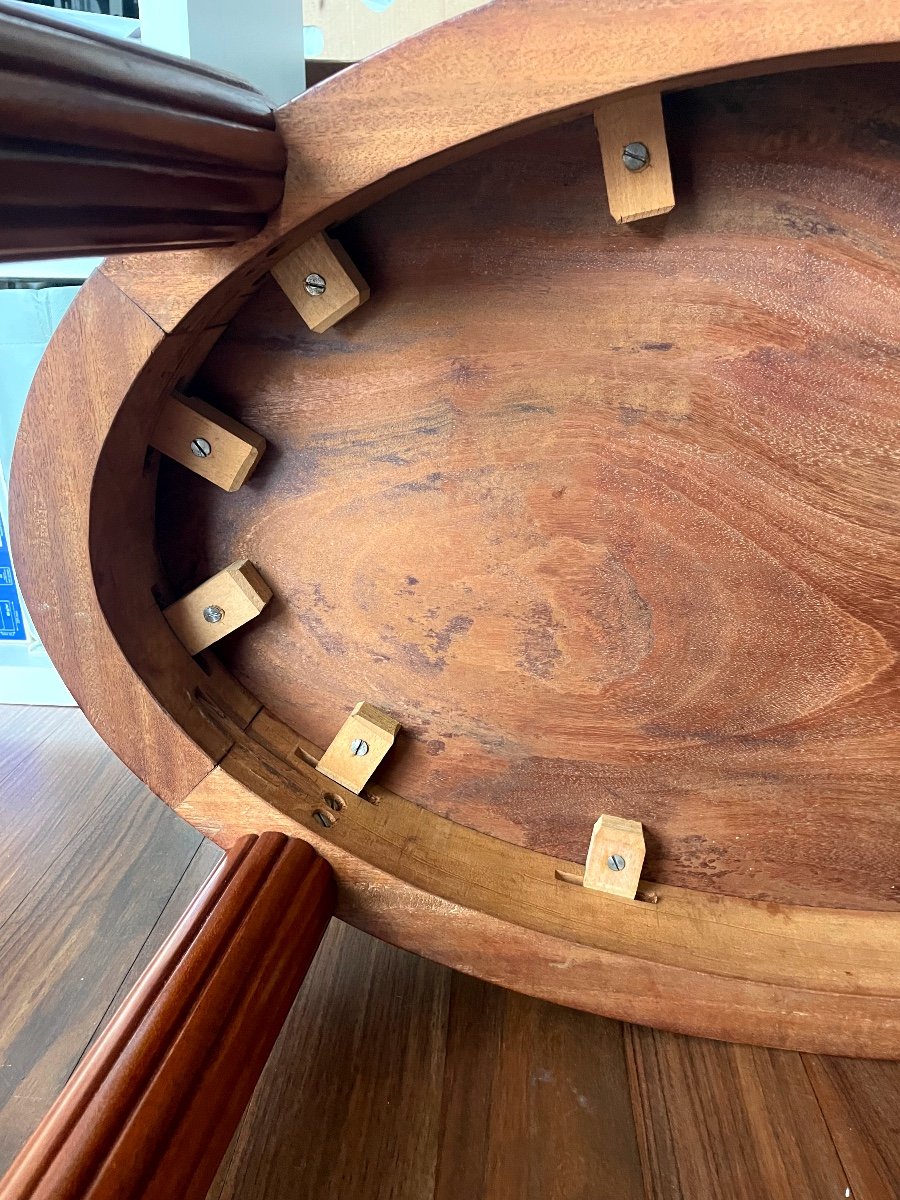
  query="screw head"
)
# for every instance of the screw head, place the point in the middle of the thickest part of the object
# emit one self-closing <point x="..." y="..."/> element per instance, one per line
<point x="201" y="448"/>
<point x="359" y="747"/>
<point x="213" y="614"/>
<point x="635" y="156"/>
<point x="616" y="862"/>
<point x="314" y="284"/>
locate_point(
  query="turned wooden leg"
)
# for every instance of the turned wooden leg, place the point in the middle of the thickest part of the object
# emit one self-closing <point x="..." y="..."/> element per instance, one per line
<point x="150" y="1111"/>
<point x="108" y="146"/>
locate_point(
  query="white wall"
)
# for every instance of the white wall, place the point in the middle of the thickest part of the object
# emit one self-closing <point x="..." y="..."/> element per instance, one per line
<point x="258" y="40"/>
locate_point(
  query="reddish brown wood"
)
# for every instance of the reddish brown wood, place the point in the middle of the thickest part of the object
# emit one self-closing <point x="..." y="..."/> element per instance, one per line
<point x="602" y="515"/>
<point x="456" y="89"/>
<point x="718" y="1120"/>
<point x="105" y="145"/>
<point x="860" y="1102"/>
<point x="149" y="737"/>
<point x="151" y="1109"/>
<point x="819" y="978"/>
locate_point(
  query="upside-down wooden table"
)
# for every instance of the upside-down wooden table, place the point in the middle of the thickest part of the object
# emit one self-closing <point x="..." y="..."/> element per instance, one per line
<point x="602" y="512"/>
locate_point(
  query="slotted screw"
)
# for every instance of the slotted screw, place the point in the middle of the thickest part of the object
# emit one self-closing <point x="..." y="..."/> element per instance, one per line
<point x="314" y="284"/>
<point x="359" y="747"/>
<point x="213" y="614"/>
<point x="616" y="862"/>
<point x="201" y="448"/>
<point x="635" y="156"/>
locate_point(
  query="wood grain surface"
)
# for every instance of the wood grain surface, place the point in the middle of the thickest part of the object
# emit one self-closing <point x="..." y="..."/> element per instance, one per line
<point x="206" y="857"/>
<point x="125" y="661"/>
<point x="606" y="517"/>
<point x="393" y="1077"/>
<point x="456" y="88"/>
<point x="88" y="864"/>
<point x="108" y="146"/>
<point x="67" y="537"/>
<point x="55" y="571"/>
<point x="860" y="1102"/>
<point x="695" y="1098"/>
<point x="815" y="979"/>
<point x="358" y="1110"/>
<point x="536" y="1102"/>
<point x="151" y="1108"/>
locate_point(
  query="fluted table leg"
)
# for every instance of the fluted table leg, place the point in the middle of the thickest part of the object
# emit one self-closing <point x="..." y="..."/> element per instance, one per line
<point x="108" y="146"/>
<point x="150" y="1111"/>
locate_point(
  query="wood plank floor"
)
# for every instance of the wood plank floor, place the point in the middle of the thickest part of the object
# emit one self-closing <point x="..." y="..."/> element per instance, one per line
<point x="393" y="1077"/>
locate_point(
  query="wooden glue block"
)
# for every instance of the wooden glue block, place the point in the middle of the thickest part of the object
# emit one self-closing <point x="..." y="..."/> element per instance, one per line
<point x="615" y="858"/>
<point x="217" y="607"/>
<point x="321" y="282"/>
<point x="635" y="122"/>
<point x="207" y="442"/>
<point x="364" y="740"/>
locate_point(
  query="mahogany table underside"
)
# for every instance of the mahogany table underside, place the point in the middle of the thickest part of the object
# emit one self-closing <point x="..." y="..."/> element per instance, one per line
<point x="605" y="516"/>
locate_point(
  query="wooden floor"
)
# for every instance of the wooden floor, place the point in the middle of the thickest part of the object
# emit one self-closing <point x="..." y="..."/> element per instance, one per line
<point x="395" y="1077"/>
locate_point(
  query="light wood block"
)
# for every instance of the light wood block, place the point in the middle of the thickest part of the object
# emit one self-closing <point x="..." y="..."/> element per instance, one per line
<point x="341" y="763"/>
<point x="234" y="450"/>
<point x="239" y="592"/>
<point x="614" y="836"/>
<point x="634" y="195"/>
<point x="345" y="288"/>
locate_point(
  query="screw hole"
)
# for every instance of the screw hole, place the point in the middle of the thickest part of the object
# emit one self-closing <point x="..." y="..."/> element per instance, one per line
<point x="335" y="803"/>
<point x="326" y="820"/>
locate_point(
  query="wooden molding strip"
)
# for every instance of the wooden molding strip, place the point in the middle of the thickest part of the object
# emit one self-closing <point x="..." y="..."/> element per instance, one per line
<point x="151" y="1109"/>
<point x="815" y="979"/>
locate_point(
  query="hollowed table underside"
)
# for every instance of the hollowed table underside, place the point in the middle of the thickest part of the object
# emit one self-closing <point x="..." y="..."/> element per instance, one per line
<point x="605" y="516"/>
